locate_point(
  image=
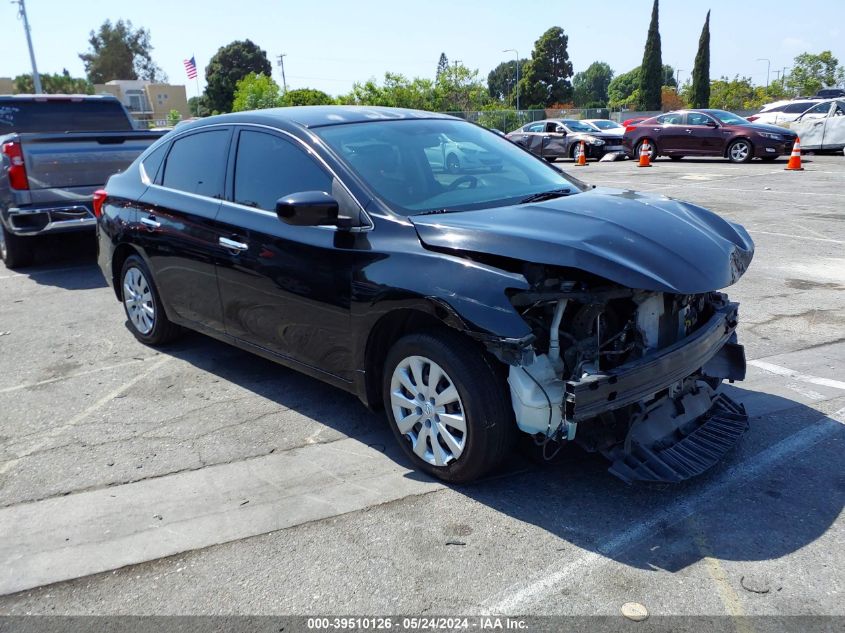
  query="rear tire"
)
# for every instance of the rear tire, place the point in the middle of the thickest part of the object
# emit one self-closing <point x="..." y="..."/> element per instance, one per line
<point x="470" y="405"/>
<point x="676" y="157"/>
<point x="639" y="149"/>
<point x="143" y="306"/>
<point x="550" y="159"/>
<point x="16" y="251"/>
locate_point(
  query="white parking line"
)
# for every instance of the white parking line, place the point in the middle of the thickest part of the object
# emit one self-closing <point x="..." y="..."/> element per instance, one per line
<point x="79" y="417"/>
<point x="49" y="381"/>
<point x="791" y="373"/>
<point x="514" y="598"/>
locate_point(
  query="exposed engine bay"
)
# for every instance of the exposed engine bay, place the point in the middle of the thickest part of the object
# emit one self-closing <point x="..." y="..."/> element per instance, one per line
<point x="629" y="373"/>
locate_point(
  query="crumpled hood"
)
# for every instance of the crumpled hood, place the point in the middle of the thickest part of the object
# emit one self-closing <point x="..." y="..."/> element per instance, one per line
<point x="637" y="240"/>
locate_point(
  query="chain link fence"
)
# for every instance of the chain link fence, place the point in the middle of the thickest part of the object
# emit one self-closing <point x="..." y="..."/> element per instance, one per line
<point x="509" y="120"/>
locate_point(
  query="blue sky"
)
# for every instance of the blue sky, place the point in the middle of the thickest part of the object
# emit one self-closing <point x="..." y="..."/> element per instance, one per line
<point x="331" y="43"/>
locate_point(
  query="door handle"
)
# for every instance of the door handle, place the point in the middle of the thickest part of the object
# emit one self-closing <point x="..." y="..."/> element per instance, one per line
<point x="232" y="244"/>
<point x="689" y="131"/>
<point x="151" y="222"/>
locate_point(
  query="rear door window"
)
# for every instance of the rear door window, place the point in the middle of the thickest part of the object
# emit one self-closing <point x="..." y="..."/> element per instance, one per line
<point x="269" y="167"/>
<point x="673" y="118"/>
<point x="197" y="163"/>
<point x="63" y="115"/>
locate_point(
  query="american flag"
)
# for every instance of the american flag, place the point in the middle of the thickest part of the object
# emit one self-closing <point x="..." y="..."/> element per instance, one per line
<point x="191" y="68"/>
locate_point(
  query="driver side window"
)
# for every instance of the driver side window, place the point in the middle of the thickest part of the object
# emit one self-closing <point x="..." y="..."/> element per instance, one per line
<point x="536" y="127"/>
<point x="696" y="118"/>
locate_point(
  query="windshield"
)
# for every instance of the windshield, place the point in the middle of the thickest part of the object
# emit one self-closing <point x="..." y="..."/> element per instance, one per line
<point x="605" y="125"/>
<point x="728" y="118"/>
<point x="578" y="126"/>
<point x="417" y="166"/>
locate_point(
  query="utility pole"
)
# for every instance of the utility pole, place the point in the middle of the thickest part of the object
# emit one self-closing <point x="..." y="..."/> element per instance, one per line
<point x="280" y="60"/>
<point x="515" y="52"/>
<point x="777" y="75"/>
<point x="36" y="78"/>
<point x="678" y="80"/>
<point x="783" y="76"/>
<point x="768" y="67"/>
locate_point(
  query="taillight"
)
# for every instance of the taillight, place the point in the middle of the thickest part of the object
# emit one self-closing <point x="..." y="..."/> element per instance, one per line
<point x="630" y="128"/>
<point x="753" y="117"/>
<point x="99" y="198"/>
<point x="17" y="169"/>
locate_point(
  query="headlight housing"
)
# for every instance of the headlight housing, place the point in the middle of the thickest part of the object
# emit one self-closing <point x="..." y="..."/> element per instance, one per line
<point x="595" y="141"/>
<point x="771" y="135"/>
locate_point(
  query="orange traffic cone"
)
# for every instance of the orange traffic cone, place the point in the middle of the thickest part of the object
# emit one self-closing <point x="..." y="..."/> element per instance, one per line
<point x="794" y="163"/>
<point x="582" y="155"/>
<point x="645" y="155"/>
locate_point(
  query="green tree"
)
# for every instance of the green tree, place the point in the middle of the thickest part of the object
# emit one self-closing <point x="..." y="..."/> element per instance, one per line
<point x="624" y="90"/>
<point x="442" y="65"/>
<point x="810" y="73"/>
<point x="173" y="117"/>
<point x="733" y="94"/>
<point x="305" y="96"/>
<point x="230" y="64"/>
<point x="651" y="74"/>
<point x="255" y="92"/>
<point x="547" y="73"/>
<point x="199" y="106"/>
<point x="58" y="83"/>
<point x="501" y="81"/>
<point x="397" y="91"/>
<point x="701" y="69"/>
<point x="120" y="52"/>
<point x="459" y="89"/>
<point x="590" y="87"/>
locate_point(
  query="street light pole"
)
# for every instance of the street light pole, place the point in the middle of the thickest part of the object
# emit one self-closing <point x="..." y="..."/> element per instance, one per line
<point x="280" y="60"/>
<point x="768" y="66"/>
<point x="36" y="78"/>
<point x="678" y="80"/>
<point x="514" y="51"/>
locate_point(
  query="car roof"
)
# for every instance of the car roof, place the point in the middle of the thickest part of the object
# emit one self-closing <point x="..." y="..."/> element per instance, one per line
<point x="320" y="116"/>
<point x="44" y="97"/>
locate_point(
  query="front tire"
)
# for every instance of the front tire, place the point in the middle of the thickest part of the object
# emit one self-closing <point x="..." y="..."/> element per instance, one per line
<point x="447" y="405"/>
<point x="740" y="151"/>
<point x="142" y="304"/>
<point x="16" y="251"/>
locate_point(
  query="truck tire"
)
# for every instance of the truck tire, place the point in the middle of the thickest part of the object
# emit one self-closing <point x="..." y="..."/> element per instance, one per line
<point x="459" y="428"/>
<point x="15" y="250"/>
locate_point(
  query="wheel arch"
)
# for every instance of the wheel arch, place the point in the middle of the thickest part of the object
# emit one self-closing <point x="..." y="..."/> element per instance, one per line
<point x="121" y="253"/>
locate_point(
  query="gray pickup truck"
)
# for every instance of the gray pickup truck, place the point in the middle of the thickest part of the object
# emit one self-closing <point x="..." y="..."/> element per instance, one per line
<point x="55" y="151"/>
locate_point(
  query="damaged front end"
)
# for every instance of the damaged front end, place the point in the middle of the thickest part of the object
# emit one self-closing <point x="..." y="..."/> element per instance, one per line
<point x="632" y="374"/>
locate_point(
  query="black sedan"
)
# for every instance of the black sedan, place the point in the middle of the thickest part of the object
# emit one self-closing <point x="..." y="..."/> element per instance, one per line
<point x="561" y="138"/>
<point x="470" y="306"/>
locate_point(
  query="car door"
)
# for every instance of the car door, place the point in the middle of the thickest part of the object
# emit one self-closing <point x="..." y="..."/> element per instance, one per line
<point x="810" y="125"/>
<point x="834" y="127"/>
<point x="284" y="288"/>
<point x="704" y="137"/>
<point x="531" y="135"/>
<point x="669" y="133"/>
<point x="176" y="225"/>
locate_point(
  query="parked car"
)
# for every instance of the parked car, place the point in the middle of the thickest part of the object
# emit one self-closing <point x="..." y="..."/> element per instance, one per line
<point x="782" y="113"/>
<point x="708" y="133"/>
<point x="830" y="93"/>
<point x="605" y="125"/>
<point x="822" y="127"/>
<point x="469" y="306"/>
<point x="56" y="150"/>
<point x="561" y="138"/>
<point x="458" y="157"/>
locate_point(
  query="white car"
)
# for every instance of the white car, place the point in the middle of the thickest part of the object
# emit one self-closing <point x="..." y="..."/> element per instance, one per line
<point x="822" y="127"/>
<point x="455" y="157"/>
<point x="605" y="125"/>
<point x="782" y="112"/>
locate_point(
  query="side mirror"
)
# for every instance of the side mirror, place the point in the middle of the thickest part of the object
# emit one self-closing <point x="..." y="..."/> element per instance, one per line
<point x="711" y="123"/>
<point x="309" y="208"/>
<point x="560" y="130"/>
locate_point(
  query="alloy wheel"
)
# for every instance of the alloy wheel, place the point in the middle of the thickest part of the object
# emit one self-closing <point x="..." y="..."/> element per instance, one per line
<point x="138" y="299"/>
<point x="739" y="151"/>
<point x="428" y="411"/>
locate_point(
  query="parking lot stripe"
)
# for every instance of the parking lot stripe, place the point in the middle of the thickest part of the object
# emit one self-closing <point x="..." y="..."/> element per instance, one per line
<point x="515" y="597"/>
<point x="50" y="381"/>
<point x="790" y="373"/>
<point x="82" y="415"/>
<point x="64" y="538"/>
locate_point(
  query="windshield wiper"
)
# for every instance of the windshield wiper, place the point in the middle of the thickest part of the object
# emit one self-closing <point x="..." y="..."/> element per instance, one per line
<point x="435" y="212"/>
<point x="546" y="195"/>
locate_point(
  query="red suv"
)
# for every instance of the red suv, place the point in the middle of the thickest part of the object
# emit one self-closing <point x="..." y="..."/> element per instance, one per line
<point x="708" y="133"/>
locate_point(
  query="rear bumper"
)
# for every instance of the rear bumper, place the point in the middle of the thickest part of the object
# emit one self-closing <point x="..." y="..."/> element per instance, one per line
<point x="709" y="348"/>
<point x="49" y="219"/>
